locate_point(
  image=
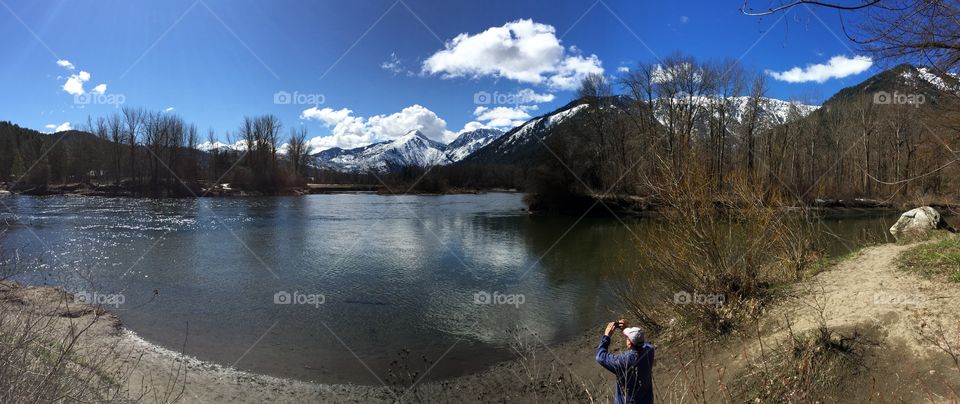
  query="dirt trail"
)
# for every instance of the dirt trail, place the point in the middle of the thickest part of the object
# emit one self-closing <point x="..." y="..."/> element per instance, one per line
<point x="870" y="288"/>
<point x="894" y="310"/>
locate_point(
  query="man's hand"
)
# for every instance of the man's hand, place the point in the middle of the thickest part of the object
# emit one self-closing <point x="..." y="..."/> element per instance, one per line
<point x="610" y="327"/>
<point x="613" y="326"/>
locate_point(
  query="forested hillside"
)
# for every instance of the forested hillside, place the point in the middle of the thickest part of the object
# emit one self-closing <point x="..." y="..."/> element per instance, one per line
<point x="145" y="153"/>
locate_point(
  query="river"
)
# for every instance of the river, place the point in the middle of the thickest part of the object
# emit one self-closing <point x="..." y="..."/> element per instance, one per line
<point x="333" y="288"/>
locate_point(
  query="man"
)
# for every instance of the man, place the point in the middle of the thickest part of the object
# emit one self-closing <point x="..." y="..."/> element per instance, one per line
<point x="633" y="368"/>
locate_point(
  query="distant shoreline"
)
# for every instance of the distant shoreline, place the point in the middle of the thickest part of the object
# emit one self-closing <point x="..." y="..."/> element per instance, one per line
<point x="622" y="205"/>
<point x="119" y="191"/>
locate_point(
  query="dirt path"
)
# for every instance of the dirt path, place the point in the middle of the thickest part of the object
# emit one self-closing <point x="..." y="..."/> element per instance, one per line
<point x="904" y="316"/>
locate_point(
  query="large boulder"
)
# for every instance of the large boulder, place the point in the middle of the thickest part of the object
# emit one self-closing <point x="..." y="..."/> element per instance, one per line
<point x="918" y="223"/>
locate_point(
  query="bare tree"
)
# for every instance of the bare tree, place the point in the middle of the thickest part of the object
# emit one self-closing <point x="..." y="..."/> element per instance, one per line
<point x="753" y="121"/>
<point x="297" y="149"/>
<point x="596" y="90"/>
<point x="133" y="120"/>
<point x="924" y="31"/>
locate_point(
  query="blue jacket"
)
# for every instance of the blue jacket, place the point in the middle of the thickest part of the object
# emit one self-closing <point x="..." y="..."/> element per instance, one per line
<point x="633" y="369"/>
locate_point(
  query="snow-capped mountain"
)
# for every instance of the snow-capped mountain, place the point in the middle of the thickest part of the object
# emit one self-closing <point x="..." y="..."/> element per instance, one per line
<point x="518" y="144"/>
<point x="946" y="82"/>
<point x="412" y="149"/>
<point x="469" y="142"/>
<point x="772" y="111"/>
<point x="491" y="146"/>
<point x="240" y="145"/>
<point x="933" y="85"/>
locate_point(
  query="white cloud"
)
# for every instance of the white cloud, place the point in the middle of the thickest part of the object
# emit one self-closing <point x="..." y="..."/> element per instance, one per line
<point x="169" y="109"/>
<point x="529" y="96"/>
<point x="684" y="19"/>
<point x="473" y="125"/>
<point x="521" y="50"/>
<point x="395" y="65"/>
<point x="74" y="83"/>
<point x="328" y="116"/>
<point x="623" y="69"/>
<point x="59" y="128"/>
<point x="65" y="64"/>
<point x="504" y="118"/>
<point x="349" y="131"/>
<point x="837" y="67"/>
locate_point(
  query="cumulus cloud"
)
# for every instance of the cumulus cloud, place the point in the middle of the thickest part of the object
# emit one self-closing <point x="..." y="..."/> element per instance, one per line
<point x="522" y="50"/>
<point x="349" y="131"/>
<point x="474" y="125"/>
<point x="328" y="116"/>
<point x="65" y="64"/>
<point x="837" y="67"/>
<point x="503" y="117"/>
<point x="623" y="69"/>
<point x="59" y="128"/>
<point x="530" y="96"/>
<point x="74" y="83"/>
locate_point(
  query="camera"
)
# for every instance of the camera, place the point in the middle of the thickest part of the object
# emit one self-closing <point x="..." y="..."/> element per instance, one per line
<point x="619" y="324"/>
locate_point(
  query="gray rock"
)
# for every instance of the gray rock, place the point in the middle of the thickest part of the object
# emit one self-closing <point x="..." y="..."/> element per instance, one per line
<point x="917" y="223"/>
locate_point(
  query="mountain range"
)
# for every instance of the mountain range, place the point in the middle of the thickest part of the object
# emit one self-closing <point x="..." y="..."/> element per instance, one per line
<point x="524" y="142"/>
<point x="485" y="146"/>
<point x="411" y="149"/>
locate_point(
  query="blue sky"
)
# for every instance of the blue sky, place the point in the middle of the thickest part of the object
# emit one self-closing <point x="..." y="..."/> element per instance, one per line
<point x="368" y="70"/>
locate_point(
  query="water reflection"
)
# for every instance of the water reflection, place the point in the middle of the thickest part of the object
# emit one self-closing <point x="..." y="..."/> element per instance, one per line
<point x="396" y="273"/>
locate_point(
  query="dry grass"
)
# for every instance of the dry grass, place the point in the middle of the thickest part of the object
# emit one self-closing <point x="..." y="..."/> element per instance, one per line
<point x="813" y="366"/>
<point x="52" y="349"/>
<point x="738" y="247"/>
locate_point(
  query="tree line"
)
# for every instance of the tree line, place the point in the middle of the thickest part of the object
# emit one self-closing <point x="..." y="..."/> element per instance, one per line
<point x="683" y="116"/>
<point x="156" y="153"/>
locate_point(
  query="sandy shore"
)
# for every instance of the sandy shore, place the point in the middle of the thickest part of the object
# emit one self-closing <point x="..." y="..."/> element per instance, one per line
<point x="866" y="294"/>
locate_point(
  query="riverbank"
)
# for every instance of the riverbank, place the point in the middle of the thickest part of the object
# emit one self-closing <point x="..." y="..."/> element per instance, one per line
<point x="639" y="206"/>
<point x="899" y="329"/>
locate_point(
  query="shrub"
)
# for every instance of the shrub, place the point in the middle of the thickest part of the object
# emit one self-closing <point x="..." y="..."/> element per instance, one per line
<point x="728" y="249"/>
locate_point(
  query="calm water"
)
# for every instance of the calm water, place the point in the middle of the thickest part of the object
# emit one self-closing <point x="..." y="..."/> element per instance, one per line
<point x="395" y="273"/>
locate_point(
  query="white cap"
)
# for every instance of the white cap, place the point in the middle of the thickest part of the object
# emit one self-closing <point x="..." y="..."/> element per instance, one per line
<point x="635" y="335"/>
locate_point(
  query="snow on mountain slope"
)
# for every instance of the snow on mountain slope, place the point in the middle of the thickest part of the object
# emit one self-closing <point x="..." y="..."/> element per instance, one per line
<point x="934" y="78"/>
<point x="469" y="142"/>
<point x="526" y="132"/>
<point x="772" y="110"/>
<point x="412" y="149"/>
